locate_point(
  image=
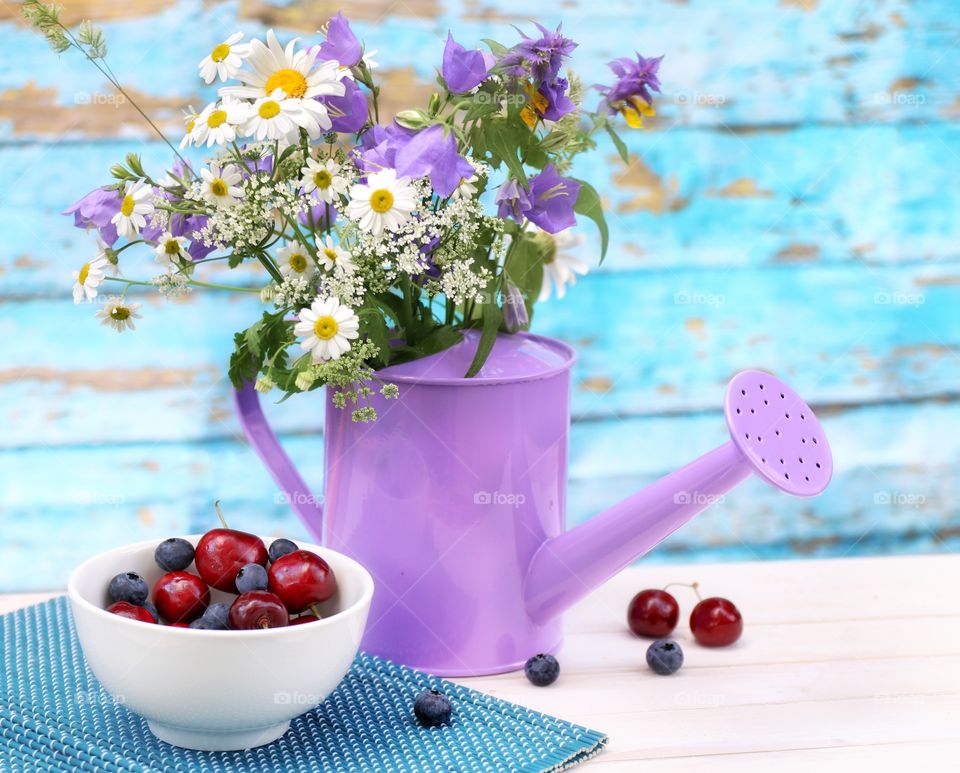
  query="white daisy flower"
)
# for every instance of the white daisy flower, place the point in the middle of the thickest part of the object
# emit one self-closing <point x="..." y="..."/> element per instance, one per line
<point x="190" y="117"/>
<point x="221" y="186"/>
<point x="170" y="250"/>
<point x="327" y="328"/>
<point x="136" y="205"/>
<point x="225" y="60"/>
<point x="296" y="73"/>
<point x="296" y="261"/>
<point x="385" y="202"/>
<point x="119" y="316"/>
<point x="273" y="118"/>
<point x="368" y="59"/>
<point x="333" y="256"/>
<point x="560" y="266"/>
<point x="467" y="189"/>
<point x="324" y="178"/>
<point x="217" y="123"/>
<point x="89" y="277"/>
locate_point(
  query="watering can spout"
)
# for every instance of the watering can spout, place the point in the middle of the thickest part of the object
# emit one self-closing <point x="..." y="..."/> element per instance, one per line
<point x="773" y="433"/>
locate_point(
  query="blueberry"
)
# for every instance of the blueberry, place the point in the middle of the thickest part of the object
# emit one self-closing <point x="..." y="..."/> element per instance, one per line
<point x="128" y="586"/>
<point x="432" y="708"/>
<point x="251" y="577"/>
<point x="280" y="547"/>
<point x="214" y="618"/>
<point x="174" y="554"/>
<point x="542" y="670"/>
<point x="151" y="608"/>
<point x="664" y="657"/>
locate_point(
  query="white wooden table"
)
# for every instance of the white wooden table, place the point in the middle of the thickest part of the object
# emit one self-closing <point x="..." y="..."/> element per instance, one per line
<point x="843" y="665"/>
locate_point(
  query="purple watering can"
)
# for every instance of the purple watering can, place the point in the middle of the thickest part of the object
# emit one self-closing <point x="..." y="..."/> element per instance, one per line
<point x="454" y="499"/>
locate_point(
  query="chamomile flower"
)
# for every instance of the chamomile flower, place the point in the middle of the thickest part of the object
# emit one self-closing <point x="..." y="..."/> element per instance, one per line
<point x="225" y="59"/>
<point x="217" y="123"/>
<point x="89" y="277"/>
<point x="190" y="117"/>
<point x="136" y="205"/>
<point x="294" y="260"/>
<point x="170" y="250"/>
<point x="560" y="266"/>
<point x="383" y="203"/>
<point x="327" y="327"/>
<point x="295" y="73"/>
<point x="273" y="118"/>
<point x="119" y="315"/>
<point x="467" y="188"/>
<point x="333" y="256"/>
<point x="324" y="179"/>
<point x="368" y="59"/>
<point x="221" y="186"/>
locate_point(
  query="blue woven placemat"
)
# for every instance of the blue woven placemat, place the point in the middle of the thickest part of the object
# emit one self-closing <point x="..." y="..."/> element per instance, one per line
<point x="55" y="716"/>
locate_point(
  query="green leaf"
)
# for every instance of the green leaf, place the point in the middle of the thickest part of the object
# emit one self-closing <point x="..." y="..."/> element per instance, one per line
<point x="589" y="205"/>
<point x="497" y="49"/>
<point x="374" y="327"/>
<point x="442" y="337"/>
<point x="503" y="141"/>
<point x="492" y="317"/>
<point x="618" y="144"/>
<point x="524" y="268"/>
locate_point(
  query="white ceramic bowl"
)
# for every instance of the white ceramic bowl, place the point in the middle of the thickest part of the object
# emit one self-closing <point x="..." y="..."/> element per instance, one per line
<point x="216" y="690"/>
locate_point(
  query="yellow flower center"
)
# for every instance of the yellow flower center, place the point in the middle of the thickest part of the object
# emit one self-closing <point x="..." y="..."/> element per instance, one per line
<point x="381" y="200"/>
<point x="190" y="124"/>
<point x="126" y="206"/>
<point x="330" y="253"/>
<point x="218" y="187"/>
<point x="119" y="313"/>
<point x="322" y="179"/>
<point x="298" y="263"/>
<point x="216" y="118"/>
<point x="325" y="328"/>
<point x="172" y="247"/>
<point x="220" y="52"/>
<point x="84" y="273"/>
<point x="269" y="109"/>
<point x="291" y="82"/>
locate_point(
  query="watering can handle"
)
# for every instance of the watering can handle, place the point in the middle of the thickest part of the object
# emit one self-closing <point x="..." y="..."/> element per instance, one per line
<point x="271" y="453"/>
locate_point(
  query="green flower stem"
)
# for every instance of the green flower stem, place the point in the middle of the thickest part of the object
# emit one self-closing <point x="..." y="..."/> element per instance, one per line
<point x="207" y="285"/>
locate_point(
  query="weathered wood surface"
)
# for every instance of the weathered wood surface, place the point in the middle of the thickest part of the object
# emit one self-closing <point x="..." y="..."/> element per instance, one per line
<point x="793" y="207"/>
<point x="843" y="665"/>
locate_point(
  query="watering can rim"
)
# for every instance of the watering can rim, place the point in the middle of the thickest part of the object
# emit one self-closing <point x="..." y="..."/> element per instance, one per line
<point x="529" y="368"/>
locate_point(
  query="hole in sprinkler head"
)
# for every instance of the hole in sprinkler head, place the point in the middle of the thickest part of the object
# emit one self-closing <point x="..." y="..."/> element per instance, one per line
<point x="761" y="386"/>
<point x="752" y="411"/>
<point x="743" y="392"/>
<point x="786" y="475"/>
<point x="803" y="440"/>
<point x="777" y="433"/>
<point x="781" y="461"/>
<point x="766" y="402"/>
<point x="759" y="439"/>
<point x="783" y="396"/>
<point x="787" y="415"/>
<point x="801" y="459"/>
<point x="738" y="410"/>
<point x="763" y="459"/>
<point x="806" y="478"/>
<point x="818" y="465"/>
<point x="814" y="439"/>
<point x="748" y="435"/>
<point x="802" y="417"/>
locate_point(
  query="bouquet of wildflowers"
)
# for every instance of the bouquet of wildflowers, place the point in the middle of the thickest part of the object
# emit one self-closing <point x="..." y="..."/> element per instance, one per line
<point x="379" y="242"/>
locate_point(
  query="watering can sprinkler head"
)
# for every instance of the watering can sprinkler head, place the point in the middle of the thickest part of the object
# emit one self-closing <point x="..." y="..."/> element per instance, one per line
<point x="773" y="433"/>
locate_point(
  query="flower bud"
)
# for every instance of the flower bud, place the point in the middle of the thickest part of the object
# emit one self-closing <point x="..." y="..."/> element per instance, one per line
<point x="412" y="119"/>
<point x="514" y="308"/>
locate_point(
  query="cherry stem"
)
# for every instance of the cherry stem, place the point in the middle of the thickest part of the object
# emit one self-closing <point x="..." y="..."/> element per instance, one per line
<point x="316" y="612"/>
<point x="695" y="585"/>
<point x="220" y="514"/>
<point x="263" y="622"/>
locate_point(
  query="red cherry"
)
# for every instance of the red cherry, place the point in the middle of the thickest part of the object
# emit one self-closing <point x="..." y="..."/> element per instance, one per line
<point x="716" y="622"/>
<point x="221" y="553"/>
<point x="258" y="609"/>
<point x="304" y="619"/>
<point x="653" y="613"/>
<point x="179" y="625"/>
<point x="180" y="596"/>
<point x="301" y="579"/>
<point x="131" y="611"/>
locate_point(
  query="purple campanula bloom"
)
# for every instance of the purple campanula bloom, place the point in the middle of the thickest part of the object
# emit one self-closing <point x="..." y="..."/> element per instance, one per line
<point x="514" y="308"/>
<point x="513" y="201"/>
<point x="540" y="57"/>
<point x="95" y="210"/>
<point x="553" y="199"/>
<point x="341" y="44"/>
<point x="428" y="152"/>
<point x="348" y="113"/>
<point x="463" y="69"/>
<point x="319" y="211"/>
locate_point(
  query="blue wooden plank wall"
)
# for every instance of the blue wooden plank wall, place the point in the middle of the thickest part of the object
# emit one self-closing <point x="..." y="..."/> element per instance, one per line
<point x="793" y="207"/>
